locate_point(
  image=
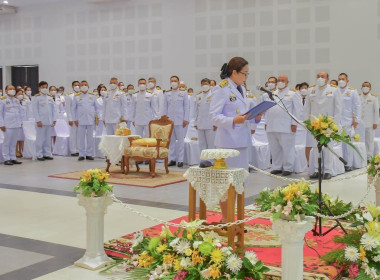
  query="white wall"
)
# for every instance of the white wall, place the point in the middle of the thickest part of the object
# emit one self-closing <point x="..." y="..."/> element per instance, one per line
<point x="141" y="38"/>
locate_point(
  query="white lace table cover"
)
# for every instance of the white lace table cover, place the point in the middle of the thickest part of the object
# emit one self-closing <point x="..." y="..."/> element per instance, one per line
<point x="112" y="146"/>
<point x="212" y="184"/>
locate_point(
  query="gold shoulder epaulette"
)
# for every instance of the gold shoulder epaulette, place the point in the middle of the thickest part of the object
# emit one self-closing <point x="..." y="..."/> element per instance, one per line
<point x="182" y="88"/>
<point x="223" y="83"/>
<point x="373" y="94"/>
<point x="3" y="97"/>
<point x="250" y="96"/>
<point x="167" y="90"/>
<point x="158" y="87"/>
<point x="38" y="94"/>
<point x="77" y="94"/>
<point x="333" y="85"/>
<point x="50" y="95"/>
<point x="70" y="93"/>
<point x="199" y="92"/>
<point x="292" y="89"/>
<point x="313" y="85"/>
<point x="91" y="93"/>
<point x="149" y="91"/>
<point x="351" y="88"/>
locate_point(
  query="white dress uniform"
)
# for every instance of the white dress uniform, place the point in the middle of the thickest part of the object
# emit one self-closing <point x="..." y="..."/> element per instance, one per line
<point x="158" y="97"/>
<point x="43" y="109"/>
<point x="252" y="102"/>
<point x="114" y="109"/>
<point x="351" y="110"/>
<point x="327" y="101"/>
<point x="60" y="107"/>
<point x="100" y="126"/>
<point x="27" y="109"/>
<point x="281" y="139"/>
<point x="11" y="118"/>
<point x="370" y="116"/>
<point x="85" y="107"/>
<point x="176" y="107"/>
<point x="129" y="108"/>
<point x="73" y="129"/>
<point x="226" y="104"/>
<point x="206" y="134"/>
<point x="143" y="111"/>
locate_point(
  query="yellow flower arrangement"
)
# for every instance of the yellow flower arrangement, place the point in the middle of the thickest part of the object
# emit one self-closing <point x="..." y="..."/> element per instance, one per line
<point x="215" y="271"/>
<point x="217" y="256"/>
<point x="93" y="183"/>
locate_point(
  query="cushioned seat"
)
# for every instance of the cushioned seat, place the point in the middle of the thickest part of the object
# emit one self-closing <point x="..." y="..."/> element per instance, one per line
<point x="146" y="152"/>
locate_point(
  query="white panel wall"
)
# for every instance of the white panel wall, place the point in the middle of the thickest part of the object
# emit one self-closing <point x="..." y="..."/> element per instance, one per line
<point x="193" y="38"/>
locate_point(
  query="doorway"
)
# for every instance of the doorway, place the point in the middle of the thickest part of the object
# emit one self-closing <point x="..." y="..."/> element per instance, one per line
<point x="25" y="75"/>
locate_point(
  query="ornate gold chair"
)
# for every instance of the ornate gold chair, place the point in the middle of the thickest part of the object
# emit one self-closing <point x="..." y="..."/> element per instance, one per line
<point x="152" y="148"/>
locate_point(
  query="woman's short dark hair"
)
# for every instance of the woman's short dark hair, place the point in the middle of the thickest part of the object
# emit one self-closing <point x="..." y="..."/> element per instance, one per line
<point x="42" y="83"/>
<point x="236" y="63"/>
<point x="100" y="87"/>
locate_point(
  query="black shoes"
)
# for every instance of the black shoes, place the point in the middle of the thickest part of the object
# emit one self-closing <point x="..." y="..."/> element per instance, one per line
<point x="40" y="159"/>
<point x="274" y="172"/>
<point x="348" y="168"/>
<point x="48" y="158"/>
<point x="89" y="158"/>
<point x="180" y="164"/>
<point x="80" y="158"/>
<point x="8" y="162"/>
<point x="327" y="176"/>
<point x="314" y="175"/>
<point x="16" y="162"/>
<point x="75" y="154"/>
<point x="172" y="163"/>
<point x="286" y="173"/>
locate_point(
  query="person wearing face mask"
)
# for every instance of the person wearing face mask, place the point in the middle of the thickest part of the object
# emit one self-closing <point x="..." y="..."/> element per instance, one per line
<point x="60" y="101"/>
<point x="370" y="117"/>
<point x="351" y="114"/>
<point x="114" y="107"/>
<point x="203" y="124"/>
<point x="227" y="108"/>
<point x="176" y="107"/>
<point x="144" y="109"/>
<point x="130" y="93"/>
<point x="304" y="91"/>
<point x="57" y="109"/>
<point x="121" y="86"/>
<point x="45" y="117"/>
<point x="26" y="104"/>
<point x="281" y="128"/>
<point x="85" y="108"/>
<point x="326" y="100"/>
<point x="99" y="124"/>
<point x="73" y="129"/>
<point x="212" y="84"/>
<point x="21" y="137"/>
<point x="271" y="85"/>
<point x="158" y="95"/>
<point x="10" y="123"/>
<point x="334" y="83"/>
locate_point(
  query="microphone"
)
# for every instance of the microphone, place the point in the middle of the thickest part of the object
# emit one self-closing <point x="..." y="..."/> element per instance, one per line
<point x="270" y="94"/>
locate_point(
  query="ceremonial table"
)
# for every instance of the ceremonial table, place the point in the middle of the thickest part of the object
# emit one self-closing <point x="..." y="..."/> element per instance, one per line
<point x="213" y="186"/>
<point x="112" y="146"/>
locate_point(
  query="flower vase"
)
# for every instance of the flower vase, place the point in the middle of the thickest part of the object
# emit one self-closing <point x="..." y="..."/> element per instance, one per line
<point x="377" y="188"/>
<point x="95" y="256"/>
<point x="292" y="235"/>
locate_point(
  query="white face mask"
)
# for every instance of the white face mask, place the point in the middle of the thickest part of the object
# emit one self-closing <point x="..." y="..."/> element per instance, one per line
<point x="28" y="92"/>
<point x="113" y="86"/>
<point x="205" y="88"/>
<point x="212" y="87"/>
<point x="11" y="92"/>
<point x="20" y="97"/>
<point x="102" y="93"/>
<point x="342" y="83"/>
<point x="150" y="85"/>
<point x="281" y="85"/>
<point x="131" y="91"/>
<point x="76" y="88"/>
<point x="174" y="85"/>
<point x="271" y="86"/>
<point x="321" y="82"/>
<point x="121" y="87"/>
<point x="44" y="91"/>
<point x="303" y="91"/>
<point x="142" y="87"/>
<point x="53" y="92"/>
<point x="365" y="89"/>
<point x="84" y="88"/>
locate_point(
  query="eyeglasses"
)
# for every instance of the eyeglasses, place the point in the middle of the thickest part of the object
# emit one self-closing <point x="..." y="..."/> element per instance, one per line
<point x="245" y="74"/>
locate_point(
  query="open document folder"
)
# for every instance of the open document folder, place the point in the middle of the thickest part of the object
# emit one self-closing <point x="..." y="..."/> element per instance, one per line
<point x="259" y="109"/>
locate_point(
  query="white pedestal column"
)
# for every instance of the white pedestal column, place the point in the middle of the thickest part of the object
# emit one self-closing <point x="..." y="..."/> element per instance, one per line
<point x="292" y="240"/>
<point x="95" y="257"/>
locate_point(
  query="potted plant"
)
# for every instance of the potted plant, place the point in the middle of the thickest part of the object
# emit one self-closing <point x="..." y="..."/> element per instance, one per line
<point x="94" y="197"/>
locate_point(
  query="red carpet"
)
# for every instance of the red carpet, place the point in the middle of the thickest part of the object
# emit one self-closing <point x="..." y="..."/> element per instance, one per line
<point x="261" y="239"/>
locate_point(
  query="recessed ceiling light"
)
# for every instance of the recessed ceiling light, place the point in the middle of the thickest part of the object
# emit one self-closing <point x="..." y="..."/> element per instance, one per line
<point x="5" y="2"/>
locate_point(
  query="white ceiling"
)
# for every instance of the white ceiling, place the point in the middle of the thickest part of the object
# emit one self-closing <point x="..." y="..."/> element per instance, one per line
<point x="28" y="3"/>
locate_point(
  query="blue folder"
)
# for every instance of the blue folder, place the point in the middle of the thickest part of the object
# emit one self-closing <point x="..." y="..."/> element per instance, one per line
<point x="259" y="109"/>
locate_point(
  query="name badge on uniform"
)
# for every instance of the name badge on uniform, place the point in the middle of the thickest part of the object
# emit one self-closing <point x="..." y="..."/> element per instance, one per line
<point x="369" y="101"/>
<point x="208" y="98"/>
<point x="90" y="98"/>
<point x="348" y="93"/>
<point x="232" y="97"/>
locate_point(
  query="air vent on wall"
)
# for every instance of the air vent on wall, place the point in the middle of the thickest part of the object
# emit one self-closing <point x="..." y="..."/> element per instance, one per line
<point x="6" y="9"/>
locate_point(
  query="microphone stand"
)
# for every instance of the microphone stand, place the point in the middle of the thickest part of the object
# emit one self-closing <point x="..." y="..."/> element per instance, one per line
<point x="317" y="231"/>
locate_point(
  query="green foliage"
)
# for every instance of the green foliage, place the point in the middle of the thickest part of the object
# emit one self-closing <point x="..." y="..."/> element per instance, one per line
<point x="93" y="183"/>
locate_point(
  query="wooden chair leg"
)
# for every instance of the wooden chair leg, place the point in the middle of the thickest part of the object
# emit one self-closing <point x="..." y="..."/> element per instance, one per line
<point x="126" y="163"/>
<point x="137" y="166"/>
<point x="122" y="164"/>
<point x="153" y="171"/>
<point x="192" y="203"/>
<point x="166" y="165"/>
<point x="108" y="165"/>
